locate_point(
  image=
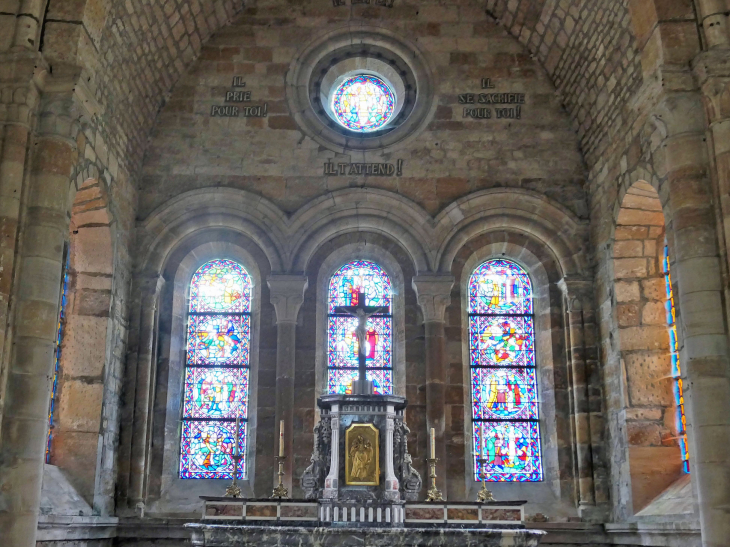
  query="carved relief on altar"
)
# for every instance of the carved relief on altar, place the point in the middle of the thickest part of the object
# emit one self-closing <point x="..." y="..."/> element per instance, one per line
<point x="362" y="455"/>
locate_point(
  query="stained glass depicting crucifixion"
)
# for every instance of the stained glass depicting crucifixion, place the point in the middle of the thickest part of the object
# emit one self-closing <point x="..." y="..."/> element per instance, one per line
<point x="216" y="371"/>
<point x="505" y="427"/>
<point x="346" y="285"/>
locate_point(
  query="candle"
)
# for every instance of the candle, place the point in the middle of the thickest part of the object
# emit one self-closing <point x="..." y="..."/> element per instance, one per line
<point x="235" y="435"/>
<point x="481" y="440"/>
<point x="281" y="439"/>
<point x="433" y="443"/>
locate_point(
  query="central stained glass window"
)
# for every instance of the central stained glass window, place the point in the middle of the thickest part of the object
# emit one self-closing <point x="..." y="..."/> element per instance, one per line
<point x="342" y="344"/>
<point x="505" y="423"/>
<point x="216" y="372"/>
<point x="363" y="103"/>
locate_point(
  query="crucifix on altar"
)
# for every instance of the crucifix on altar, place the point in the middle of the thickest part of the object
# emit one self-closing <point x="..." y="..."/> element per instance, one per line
<point x="361" y="386"/>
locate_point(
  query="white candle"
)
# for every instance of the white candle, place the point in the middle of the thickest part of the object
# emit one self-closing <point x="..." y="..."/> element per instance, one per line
<point x="235" y="435"/>
<point x="481" y="440"/>
<point x="281" y="439"/>
<point x="433" y="443"/>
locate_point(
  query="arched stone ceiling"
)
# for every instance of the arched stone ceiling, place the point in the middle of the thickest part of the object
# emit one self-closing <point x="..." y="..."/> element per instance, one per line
<point x="587" y="48"/>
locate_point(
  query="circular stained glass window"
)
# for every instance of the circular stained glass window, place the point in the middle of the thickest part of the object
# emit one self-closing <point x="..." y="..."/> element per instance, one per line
<point x="363" y="103"/>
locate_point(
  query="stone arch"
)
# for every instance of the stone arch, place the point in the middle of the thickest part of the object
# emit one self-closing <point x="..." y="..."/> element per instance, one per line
<point x="363" y="209"/>
<point x="518" y="211"/>
<point x="80" y="392"/>
<point x="647" y="424"/>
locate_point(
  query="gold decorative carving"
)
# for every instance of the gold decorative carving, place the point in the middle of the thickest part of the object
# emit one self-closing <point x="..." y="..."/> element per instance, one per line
<point x="362" y="455"/>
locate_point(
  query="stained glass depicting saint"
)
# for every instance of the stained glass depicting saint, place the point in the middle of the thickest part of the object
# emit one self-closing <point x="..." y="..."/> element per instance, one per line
<point x="363" y="103"/>
<point x="503" y="373"/>
<point x="217" y="371"/>
<point x="346" y="285"/>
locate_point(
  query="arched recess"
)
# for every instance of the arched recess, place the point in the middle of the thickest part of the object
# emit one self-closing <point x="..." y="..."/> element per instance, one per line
<point x="557" y="494"/>
<point x="643" y="393"/>
<point x="76" y="436"/>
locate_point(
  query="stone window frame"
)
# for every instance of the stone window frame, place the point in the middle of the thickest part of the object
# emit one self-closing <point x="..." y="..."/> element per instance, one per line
<point x="390" y="266"/>
<point x="176" y="493"/>
<point x="544" y="494"/>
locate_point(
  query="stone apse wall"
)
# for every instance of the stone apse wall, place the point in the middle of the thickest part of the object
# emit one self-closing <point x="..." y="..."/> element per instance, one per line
<point x="615" y="94"/>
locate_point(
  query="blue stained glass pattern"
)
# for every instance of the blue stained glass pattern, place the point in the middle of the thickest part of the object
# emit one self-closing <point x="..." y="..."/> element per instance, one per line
<point x="678" y="387"/>
<point x="363" y="103"/>
<point x="207" y="450"/>
<point x="217" y="371"/>
<point x="503" y="375"/>
<point x="57" y="357"/>
<point x="511" y="451"/>
<point x="216" y="392"/>
<point x="342" y="345"/>
<point x="220" y="340"/>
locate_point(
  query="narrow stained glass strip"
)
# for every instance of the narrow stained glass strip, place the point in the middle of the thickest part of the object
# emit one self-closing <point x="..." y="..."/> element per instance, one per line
<point x="220" y="286"/>
<point x="681" y="420"/>
<point x="216" y="340"/>
<point x="207" y="449"/>
<point x="216" y="393"/>
<point x="343" y="348"/>
<point x="504" y="394"/>
<point x="500" y="287"/>
<point x="511" y="451"/>
<point x="501" y="341"/>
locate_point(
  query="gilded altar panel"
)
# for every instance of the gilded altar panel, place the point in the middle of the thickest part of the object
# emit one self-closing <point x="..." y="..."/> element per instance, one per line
<point x="362" y="455"/>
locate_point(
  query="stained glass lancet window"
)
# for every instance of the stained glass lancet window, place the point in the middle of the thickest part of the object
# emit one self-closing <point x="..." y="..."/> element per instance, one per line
<point x="342" y="345"/>
<point x="363" y="103"/>
<point x="503" y="375"/>
<point x="216" y="371"/>
<point x="676" y="370"/>
<point x="57" y="357"/>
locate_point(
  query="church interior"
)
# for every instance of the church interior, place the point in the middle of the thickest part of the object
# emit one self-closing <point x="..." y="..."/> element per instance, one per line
<point x="364" y="272"/>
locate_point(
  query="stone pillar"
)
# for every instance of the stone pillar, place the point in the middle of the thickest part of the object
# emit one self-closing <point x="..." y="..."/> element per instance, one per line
<point x="331" y="481"/>
<point x="434" y="295"/>
<point x="12" y="170"/>
<point x="391" y="482"/>
<point x="713" y="17"/>
<point x="139" y="381"/>
<point x="287" y="295"/>
<point x="586" y="412"/>
<point x="25" y="418"/>
<point x="702" y="321"/>
<point x="30" y="15"/>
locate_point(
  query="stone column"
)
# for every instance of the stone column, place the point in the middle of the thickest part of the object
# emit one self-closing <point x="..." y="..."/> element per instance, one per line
<point x="434" y="295"/>
<point x="713" y="17"/>
<point x="140" y="381"/>
<point x="287" y="295"/>
<point x="702" y="322"/>
<point x="391" y="482"/>
<point x="331" y="481"/>
<point x="30" y="15"/>
<point x="25" y="418"/>
<point x="586" y="412"/>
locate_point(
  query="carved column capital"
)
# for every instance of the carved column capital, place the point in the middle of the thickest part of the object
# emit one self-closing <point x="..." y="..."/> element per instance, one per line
<point x="287" y="295"/>
<point x="578" y="292"/>
<point x="434" y="295"/>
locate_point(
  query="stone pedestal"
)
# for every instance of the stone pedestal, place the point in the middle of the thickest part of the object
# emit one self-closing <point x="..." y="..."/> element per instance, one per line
<point x="391" y="479"/>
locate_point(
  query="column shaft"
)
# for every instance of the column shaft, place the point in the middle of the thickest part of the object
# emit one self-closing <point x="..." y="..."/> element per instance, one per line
<point x="25" y="417"/>
<point x="436" y="394"/>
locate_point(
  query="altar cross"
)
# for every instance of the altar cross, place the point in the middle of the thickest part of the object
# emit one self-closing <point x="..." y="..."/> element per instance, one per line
<point x="362" y="313"/>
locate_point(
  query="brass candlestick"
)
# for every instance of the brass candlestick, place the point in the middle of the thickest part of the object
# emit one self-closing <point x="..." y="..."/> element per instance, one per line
<point x="233" y="490"/>
<point x="484" y="495"/>
<point x="434" y="494"/>
<point x="280" y="491"/>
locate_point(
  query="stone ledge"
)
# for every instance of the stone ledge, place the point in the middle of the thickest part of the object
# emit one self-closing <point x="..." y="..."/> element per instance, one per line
<point x="69" y="528"/>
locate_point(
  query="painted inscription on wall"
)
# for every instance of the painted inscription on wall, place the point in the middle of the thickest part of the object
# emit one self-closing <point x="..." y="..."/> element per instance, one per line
<point x="366" y="169"/>
<point x="235" y="106"/>
<point x="510" y="104"/>
<point x="382" y="3"/>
